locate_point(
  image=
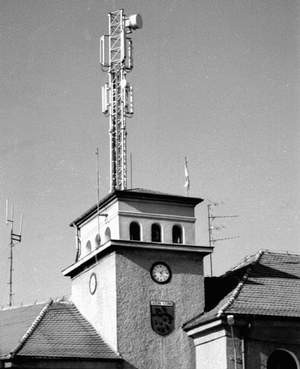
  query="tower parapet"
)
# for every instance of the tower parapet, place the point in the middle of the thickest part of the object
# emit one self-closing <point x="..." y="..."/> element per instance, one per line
<point x="137" y="215"/>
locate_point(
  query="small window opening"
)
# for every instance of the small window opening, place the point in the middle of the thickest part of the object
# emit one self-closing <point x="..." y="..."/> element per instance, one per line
<point x="98" y="240"/>
<point x="88" y="247"/>
<point x="107" y="234"/>
<point x="156" y="232"/>
<point x="281" y="359"/>
<point x="177" y="234"/>
<point x="134" y="231"/>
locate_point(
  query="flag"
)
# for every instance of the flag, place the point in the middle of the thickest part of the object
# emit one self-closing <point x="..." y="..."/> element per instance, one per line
<point x="187" y="176"/>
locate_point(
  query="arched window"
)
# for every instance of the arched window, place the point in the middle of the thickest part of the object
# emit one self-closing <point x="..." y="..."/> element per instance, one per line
<point x="156" y="232"/>
<point x="88" y="247"/>
<point x="107" y="234"/>
<point x="134" y="231"/>
<point x="177" y="234"/>
<point x="97" y="240"/>
<point x="281" y="359"/>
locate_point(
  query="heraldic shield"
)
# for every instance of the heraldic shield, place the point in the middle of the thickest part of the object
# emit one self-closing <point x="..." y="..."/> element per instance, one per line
<point x="162" y="317"/>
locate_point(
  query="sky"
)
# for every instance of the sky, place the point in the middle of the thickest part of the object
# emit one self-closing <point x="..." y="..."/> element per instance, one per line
<point x="216" y="81"/>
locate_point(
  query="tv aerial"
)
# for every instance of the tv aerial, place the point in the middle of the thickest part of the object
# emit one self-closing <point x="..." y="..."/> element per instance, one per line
<point x="214" y="227"/>
<point x="14" y="239"/>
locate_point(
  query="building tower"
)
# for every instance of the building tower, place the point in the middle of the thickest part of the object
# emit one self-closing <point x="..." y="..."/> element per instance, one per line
<point x="138" y="275"/>
<point x="144" y="280"/>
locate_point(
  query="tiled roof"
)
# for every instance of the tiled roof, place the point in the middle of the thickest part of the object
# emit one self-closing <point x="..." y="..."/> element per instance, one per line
<point x="57" y="330"/>
<point x="266" y="284"/>
<point x="14" y="323"/>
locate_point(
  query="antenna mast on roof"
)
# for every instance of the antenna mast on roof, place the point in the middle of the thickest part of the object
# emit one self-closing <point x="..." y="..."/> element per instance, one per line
<point x="14" y="238"/>
<point x="212" y="227"/>
<point x="117" y="93"/>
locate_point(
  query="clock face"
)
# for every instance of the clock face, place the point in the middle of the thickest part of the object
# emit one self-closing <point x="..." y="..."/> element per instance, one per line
<point x="93" y="283"/>
<point x="161" y="273"/>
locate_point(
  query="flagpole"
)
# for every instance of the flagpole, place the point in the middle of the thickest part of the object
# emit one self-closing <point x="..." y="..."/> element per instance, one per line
<point x="187" y="177"/>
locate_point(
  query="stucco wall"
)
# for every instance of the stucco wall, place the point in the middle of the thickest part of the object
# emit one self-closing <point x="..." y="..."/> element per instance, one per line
<point x="138" y="344"/>
<point x="100" y="308"/>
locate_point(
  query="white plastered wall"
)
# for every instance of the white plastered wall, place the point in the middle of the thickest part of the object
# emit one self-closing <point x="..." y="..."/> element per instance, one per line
<point x="211" y="351"/>
<point x="100" y="308"/>
<point x="89" y="230"/>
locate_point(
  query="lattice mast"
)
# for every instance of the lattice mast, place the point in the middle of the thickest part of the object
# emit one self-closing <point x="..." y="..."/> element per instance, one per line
<point x="117" y="93"/>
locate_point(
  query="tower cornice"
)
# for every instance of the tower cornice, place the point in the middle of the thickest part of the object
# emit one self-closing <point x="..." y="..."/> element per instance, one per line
<point x="115" y="245"/>
<point x="135" y="194"/>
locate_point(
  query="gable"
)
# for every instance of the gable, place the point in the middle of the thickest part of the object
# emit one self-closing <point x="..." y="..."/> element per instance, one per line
<point x="53" y="330"/>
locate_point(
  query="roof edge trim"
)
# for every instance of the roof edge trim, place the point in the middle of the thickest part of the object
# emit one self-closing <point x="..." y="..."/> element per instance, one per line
<point x="215" y="322"/>
<point x="239" y="287"/>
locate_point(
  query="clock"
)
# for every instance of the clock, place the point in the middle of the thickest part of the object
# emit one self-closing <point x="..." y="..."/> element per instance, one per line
<point x="160" y="272"/>
<point x="93" y="283"/>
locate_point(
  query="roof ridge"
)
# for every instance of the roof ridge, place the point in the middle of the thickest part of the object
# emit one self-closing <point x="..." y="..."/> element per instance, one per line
<point x="21" y="306"/>
<point x="31" y="329"/>
<point x="237" y="290"/>
<point x="281" y="252"/>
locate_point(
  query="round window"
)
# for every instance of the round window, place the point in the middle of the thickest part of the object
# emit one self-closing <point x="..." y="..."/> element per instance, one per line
<point x="93" y="283"/>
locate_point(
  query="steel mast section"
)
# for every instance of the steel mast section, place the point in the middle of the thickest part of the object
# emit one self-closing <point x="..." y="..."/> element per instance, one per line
<point x="117" y="93"/>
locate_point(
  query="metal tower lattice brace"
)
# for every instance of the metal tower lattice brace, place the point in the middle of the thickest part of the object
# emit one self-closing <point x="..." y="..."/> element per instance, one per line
<point x="117" y="94"/>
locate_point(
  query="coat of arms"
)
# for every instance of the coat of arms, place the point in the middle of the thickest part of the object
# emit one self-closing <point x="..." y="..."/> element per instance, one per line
<point x="162" y="317"/>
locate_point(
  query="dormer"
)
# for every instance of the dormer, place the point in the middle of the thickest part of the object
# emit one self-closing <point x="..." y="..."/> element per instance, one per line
<point x="137" y="215"/>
